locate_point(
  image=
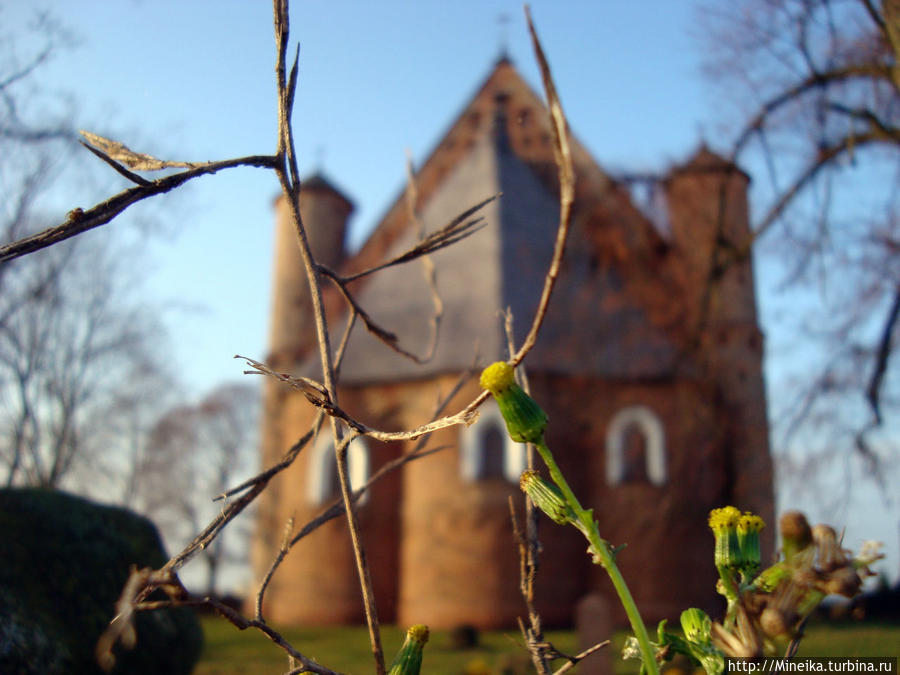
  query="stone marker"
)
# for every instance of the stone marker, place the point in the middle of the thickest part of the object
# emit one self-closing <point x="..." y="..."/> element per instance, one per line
<point x="594" y="624"/>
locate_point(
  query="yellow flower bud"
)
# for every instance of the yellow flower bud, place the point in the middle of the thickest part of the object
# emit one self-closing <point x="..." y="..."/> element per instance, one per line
<point x="546" y="497"/>
<point x="409" y="659"/>
<point x="497" y="377"/>
<point x="525" y="420"/>
<point x="723" y="522"/>
<point x="748" y="529"/>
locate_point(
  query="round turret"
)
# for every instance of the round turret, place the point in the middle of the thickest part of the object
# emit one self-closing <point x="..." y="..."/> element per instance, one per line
<point x="707" y="203"/>
<point x="325" y="212"/>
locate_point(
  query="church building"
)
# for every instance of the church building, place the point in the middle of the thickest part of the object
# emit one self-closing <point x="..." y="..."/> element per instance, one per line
<point x="649" y="365"/>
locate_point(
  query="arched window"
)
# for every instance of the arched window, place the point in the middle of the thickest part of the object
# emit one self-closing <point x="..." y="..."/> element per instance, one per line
<point x="635" y="447"/>
<point x="487" y="451"/>
<point x="323" y="484"/>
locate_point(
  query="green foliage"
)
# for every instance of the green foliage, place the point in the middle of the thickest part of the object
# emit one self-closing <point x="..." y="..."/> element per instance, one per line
<point x="65" y="561"/>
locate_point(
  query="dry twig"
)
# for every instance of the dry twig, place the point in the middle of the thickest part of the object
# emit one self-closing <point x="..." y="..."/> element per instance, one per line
<point x="78" y="220"/>
<point x="456" y="230"/>
<point x="289" y="178"/>
<point x="563" y="156"/>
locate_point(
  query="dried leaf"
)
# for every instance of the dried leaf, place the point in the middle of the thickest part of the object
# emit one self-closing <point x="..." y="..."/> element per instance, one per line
<point x="315" y="392"/>
<point x="133" y="160"/>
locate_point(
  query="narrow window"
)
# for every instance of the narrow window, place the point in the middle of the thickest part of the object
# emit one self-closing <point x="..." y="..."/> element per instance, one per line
<point x="487" y="451"/>
<point x="323" y="483"/>
<point x="635" y="447"/>
<point x="492" y="452"/>
<point x="634" y="455"/>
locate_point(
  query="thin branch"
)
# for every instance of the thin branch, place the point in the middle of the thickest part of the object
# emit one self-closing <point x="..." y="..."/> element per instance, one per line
<point x="454" y="231"/>
<point x="824" y="157"/>
<point x="572" y="661"/>
<point x="272" y="471"/>
<point x="295" y="449"/>
<point x="563" y="156"/>
<point x="428" y="269"/>
<point x="889" y="132"/>
<point x="242" y="623"/>
<point x="336" y="509"/>
<point x="282" y="552"/>
<point x="813" y="81"/>
<point x="532" y="634"/>
<point x="877" y="19"/>
<point x="387" y="337"/>
<point x="142" y="582"/>
<point x="314" y="395"/>
<point x="873" y="391"/>
<point x="26" y="70"/>
<point x="291" y="187"/>
<point x="79" y="221"/>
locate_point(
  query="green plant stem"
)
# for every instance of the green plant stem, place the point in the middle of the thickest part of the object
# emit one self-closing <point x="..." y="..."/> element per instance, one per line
<point x="600" y="548"/>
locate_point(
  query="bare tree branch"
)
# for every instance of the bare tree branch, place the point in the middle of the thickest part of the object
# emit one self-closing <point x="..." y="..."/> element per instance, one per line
<point x="563" y="156"/>
<point x="823" y="159"/>
<point x="457" y="229"/>
<point x="815" y="80"/>
<point x="290" y="185"/>
<point x="873" y="391"/>
<point x="79" y="221"/>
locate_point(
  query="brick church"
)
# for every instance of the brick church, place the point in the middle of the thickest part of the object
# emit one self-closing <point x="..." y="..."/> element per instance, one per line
<point x="649" y="365"/>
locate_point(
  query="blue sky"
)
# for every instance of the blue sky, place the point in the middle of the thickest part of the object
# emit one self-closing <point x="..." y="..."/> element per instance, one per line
<point x="194" y="81"/>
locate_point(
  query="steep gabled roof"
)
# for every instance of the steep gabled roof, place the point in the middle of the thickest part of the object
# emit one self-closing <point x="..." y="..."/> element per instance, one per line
<point x="501" y="144"/>
<point x="529" y="136"/>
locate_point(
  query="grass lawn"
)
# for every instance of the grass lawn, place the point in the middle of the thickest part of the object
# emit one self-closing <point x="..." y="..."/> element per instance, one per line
<point x="231" y="652"/>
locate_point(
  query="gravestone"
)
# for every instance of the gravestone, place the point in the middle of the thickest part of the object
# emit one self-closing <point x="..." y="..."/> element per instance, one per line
<point x="593" y="622"/>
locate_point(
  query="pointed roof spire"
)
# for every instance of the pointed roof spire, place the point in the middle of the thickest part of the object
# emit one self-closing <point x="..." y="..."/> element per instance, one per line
<point x="503" y="20"/>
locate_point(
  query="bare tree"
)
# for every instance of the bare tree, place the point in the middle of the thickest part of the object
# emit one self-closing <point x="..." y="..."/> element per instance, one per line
<point x="192" y="454"/>
<point x="71" y="348"/>
<point x="74" y="344"/>
<point x="816" y="86"/>
<point x="36" y="136"/>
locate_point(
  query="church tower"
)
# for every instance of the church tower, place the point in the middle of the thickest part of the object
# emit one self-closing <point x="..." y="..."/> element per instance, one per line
<point x="708" y="211"/>
<point x="325" y="212"/>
